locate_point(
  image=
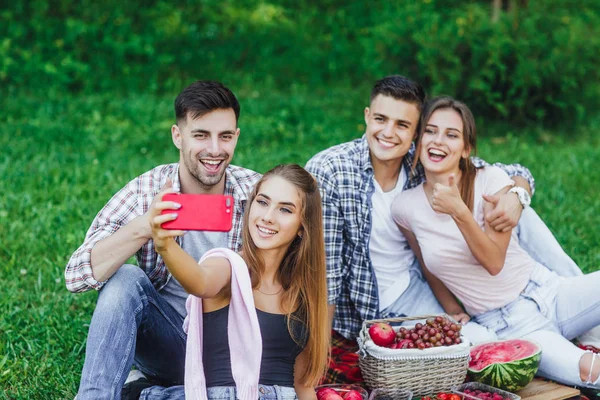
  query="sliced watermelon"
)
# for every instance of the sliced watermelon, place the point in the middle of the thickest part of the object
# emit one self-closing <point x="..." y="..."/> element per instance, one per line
<point x="505" y="364"/>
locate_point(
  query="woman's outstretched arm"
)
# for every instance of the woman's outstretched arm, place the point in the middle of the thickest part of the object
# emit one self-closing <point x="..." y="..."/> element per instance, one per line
<point x="204" y="280"/>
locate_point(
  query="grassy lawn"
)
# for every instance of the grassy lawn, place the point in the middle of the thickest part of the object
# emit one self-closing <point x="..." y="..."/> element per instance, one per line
<point x="63" y="158"/>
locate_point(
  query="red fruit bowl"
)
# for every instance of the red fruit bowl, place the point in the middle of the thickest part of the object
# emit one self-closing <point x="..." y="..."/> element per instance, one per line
<point x="342" y="391"/>
<point x="460" y="390"/>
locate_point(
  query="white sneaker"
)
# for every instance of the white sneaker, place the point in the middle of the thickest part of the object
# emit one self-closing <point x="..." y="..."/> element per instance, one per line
<point x="591" y="338"/>
<point x="134" y="375"/>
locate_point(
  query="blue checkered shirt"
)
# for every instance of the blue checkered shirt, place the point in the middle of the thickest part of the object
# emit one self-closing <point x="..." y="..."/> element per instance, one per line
<point x="345" y="177"/>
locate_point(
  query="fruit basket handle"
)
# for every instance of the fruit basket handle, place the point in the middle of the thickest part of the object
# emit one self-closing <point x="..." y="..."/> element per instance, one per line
<point x="403" y="319"/>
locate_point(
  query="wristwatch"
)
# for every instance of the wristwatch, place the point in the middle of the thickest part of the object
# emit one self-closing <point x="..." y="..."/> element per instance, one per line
<point x="522" y="194"/>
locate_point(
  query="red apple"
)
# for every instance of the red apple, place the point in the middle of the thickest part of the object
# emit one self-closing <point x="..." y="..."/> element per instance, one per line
<point x="382" y="334"/>
<point x="353" y="395"/>
<point x="325" y="391"/>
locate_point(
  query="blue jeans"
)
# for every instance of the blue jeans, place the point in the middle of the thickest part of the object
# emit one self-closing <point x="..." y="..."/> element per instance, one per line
<point x="551" y="311"/>
<point x="219" y="393"/>
<point x="539" y="242"/>
<point x="132" y="324"/>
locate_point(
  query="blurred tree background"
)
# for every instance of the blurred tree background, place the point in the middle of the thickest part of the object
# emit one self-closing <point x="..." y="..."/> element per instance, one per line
<point x="508" y="59"/>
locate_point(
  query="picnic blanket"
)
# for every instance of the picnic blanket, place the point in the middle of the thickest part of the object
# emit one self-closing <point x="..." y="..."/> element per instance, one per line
<point x="343" y="363"/>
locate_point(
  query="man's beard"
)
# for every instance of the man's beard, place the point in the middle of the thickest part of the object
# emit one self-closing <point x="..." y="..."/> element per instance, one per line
<point x="196" y="170"/>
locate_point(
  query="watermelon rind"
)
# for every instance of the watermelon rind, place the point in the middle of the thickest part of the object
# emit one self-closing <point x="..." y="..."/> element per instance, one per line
<point x="512" y="375"/>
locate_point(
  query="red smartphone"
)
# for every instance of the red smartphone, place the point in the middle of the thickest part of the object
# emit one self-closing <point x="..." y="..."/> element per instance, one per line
<point x="200" y="212"/>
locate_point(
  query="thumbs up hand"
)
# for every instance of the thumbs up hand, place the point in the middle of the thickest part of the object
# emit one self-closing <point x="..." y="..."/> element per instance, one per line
<point x="446" y="198"/>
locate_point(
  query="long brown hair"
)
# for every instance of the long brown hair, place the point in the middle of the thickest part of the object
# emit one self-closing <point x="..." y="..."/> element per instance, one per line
<point x="302" y="272"/>
<point x="468" y="170"/>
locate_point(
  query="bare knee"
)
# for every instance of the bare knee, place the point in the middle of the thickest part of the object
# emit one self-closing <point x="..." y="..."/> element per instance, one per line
<point x="589" y="367"/>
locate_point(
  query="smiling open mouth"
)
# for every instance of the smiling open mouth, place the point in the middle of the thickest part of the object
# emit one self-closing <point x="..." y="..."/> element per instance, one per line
<point x="385" y="143"/>
<point x="212" y="165"/>
<point x="265" y="230"/>
<point x="436" y="155"/>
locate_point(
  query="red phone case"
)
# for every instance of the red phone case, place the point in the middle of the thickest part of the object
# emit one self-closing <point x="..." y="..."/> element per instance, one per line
<point x="200" y="212"/>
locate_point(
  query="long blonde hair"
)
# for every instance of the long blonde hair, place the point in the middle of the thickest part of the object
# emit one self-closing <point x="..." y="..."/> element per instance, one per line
<point x="302" y="272"/>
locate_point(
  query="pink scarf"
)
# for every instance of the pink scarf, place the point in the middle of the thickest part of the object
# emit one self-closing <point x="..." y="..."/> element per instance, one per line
<point x="243" y="331"/>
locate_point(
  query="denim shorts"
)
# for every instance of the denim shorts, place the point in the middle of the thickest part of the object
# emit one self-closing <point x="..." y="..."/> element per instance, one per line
<point x="533" y="310"/>
<point x="264" y="393"/>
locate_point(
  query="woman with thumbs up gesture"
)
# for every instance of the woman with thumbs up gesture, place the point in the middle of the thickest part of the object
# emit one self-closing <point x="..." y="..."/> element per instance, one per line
<point x="463" y="258"/>
<point x="445" y="198"/>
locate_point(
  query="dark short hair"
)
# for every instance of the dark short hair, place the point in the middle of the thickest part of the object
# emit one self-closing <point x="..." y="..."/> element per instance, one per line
<point x="202" y="97"/>
<point x="400" y="88"/>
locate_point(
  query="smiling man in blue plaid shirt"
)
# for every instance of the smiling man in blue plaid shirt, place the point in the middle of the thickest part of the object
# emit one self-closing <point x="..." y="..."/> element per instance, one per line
<point x="371" y="270"/>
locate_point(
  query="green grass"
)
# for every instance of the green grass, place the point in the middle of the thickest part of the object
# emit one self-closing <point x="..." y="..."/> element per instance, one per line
<point x="63" y="158"/>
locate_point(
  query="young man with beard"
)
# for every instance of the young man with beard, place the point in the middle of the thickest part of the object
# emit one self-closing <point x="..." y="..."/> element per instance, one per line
<point x="371" y="270"/>
<point x="140" y="310"/>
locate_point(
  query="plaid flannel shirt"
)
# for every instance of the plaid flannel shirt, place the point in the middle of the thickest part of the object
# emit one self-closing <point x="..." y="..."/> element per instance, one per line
<point x="345" y="176"/>
<point x="133" y="201"/>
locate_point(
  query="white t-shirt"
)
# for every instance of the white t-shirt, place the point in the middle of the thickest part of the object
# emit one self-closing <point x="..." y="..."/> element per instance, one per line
<point x="390" y="253"/>
<point x="447" y="255"/>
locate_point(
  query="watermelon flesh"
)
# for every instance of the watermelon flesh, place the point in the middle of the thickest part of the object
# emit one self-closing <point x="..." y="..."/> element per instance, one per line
<point x="505" y="364"/>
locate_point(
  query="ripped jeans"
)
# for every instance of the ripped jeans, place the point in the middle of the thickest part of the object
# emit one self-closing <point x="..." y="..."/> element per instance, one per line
<point x="551" y="311"/>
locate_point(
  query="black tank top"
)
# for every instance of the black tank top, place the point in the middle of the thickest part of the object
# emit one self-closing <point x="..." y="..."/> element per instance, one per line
<point x="279" y="349"/>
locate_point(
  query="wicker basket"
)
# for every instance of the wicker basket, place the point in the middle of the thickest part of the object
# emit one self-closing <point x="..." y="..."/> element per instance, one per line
<point x="422" y="374"/>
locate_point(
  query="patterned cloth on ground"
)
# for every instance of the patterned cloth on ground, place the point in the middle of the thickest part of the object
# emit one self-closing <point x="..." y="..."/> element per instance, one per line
<point x="343" y="364"/>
